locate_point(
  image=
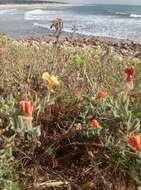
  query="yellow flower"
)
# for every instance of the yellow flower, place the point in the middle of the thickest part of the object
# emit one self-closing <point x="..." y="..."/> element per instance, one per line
<point x="51" y="79"/>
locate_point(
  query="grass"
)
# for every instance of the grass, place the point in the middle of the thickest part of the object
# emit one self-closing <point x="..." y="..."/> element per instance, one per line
<point x="58" y="148"/>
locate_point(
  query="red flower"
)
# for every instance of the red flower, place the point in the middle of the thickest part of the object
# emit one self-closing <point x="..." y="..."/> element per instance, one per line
<point x="130" y="78"/>
<point x="129" y="71"/>
<point x="135" y="142"/>
<point x="27" y="108"/>
<point x="95" y="124"/>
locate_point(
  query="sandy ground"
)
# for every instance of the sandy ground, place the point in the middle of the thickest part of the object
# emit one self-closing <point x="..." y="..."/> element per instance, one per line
<point x="37" y="5"/>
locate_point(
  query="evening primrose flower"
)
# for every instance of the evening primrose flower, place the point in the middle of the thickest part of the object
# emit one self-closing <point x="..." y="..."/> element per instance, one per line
<point x="51" y="79"/>
<point x="95" y="124"/>
<point x="135" y="142"/>
<point x="27" y="108"/>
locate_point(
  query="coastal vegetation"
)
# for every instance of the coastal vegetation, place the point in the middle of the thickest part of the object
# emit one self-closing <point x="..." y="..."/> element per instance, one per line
<point x="70" y="114"/>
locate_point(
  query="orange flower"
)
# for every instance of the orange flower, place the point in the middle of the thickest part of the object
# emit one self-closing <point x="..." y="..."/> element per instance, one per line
<point x="95" y="124"/>
<point x="135" y="142"/>
<point x="27" y="108"/>
<point x="102" y="95"/>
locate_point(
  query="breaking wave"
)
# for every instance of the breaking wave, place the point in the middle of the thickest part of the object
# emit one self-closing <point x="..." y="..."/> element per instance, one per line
<point x="7" y="11"/>
<point x="135" y="16"/>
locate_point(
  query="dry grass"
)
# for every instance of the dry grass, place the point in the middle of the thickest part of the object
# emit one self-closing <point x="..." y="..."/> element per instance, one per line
<point x="66" y="156"/>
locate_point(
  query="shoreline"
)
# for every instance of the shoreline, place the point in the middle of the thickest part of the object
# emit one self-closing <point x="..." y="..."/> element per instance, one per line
<point x="123" y="47"/>
<point x="81" y="37"/>
<point x="37" y="5"/>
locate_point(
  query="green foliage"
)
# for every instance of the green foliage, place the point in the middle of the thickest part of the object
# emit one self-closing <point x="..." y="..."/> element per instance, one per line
<point x="83" y="72"/>
<point x="79" y="61"/>
<point x="23" y="126"/>
<point x="14" y="186"/>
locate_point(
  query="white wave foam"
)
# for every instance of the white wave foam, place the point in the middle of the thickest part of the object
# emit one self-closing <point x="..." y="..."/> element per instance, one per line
<point x="48" y="15"/>
<point x="41" y="25"/>
<point x="39" y="14"/>
<point x="36" y="14"/>
<point x="121" y="13"/>
<point x="135" y="16"/>
<point x="7" y="11"/>
<point x="47" y="26"/>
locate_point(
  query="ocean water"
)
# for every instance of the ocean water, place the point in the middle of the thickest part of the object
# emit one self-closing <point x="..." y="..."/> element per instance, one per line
<point x="117" y="21"/>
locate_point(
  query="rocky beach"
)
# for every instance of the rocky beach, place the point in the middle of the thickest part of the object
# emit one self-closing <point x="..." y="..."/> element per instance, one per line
<point x="121" y="46"/>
